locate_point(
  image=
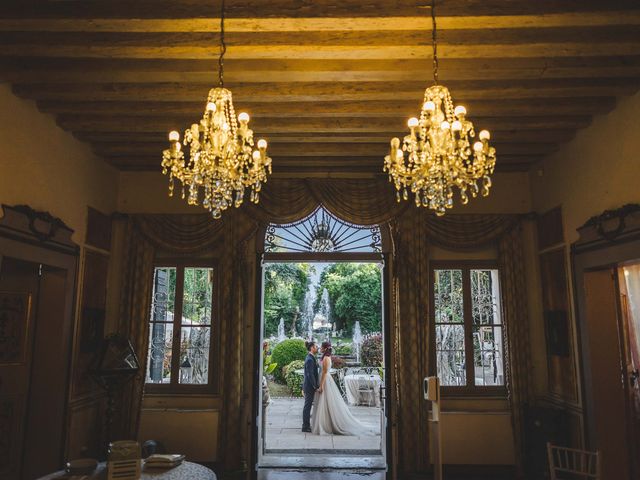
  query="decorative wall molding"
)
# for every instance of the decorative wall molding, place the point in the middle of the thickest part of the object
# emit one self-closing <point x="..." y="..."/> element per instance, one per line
<point x="609" y="227"/>
<point x="23" y="223"/>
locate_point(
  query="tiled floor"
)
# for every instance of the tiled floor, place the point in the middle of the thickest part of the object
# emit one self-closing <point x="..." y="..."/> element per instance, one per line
<point x="283" y="431"/>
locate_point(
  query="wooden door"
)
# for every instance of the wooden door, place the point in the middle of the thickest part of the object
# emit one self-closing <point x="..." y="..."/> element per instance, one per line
<point x="608" y="389"/>
<point x="19" y="281"/>
<point x="629" y="281"/>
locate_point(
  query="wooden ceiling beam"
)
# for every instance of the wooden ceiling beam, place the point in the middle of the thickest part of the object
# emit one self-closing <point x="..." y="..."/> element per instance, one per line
<point x="298" y="150"/>
<point x="192" y="111"/>
<point x="206" y="9"/>
<point x="306" y="24"/>
<point x="17" y="63"/>
<point x="314" y="125"/>
<point x="329" y="52"/>
<point x="234" y="77"/>
<point x="160" y="139"/>
<point x="462" y="91"/>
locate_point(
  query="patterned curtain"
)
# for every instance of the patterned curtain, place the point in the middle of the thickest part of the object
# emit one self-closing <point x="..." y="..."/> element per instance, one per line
<point x="135" y="305"/>
<point x="516" y="321"/>
<point x="409" y="303"/>
<point x="464" y="232"/>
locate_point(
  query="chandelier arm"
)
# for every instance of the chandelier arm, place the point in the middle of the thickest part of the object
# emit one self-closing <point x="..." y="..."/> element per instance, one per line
<point x="223" y="47"/>
<point x="434" y="41"/>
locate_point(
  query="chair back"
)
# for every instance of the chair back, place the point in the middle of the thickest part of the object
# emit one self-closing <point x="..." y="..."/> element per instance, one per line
<point x="573" y="464"/>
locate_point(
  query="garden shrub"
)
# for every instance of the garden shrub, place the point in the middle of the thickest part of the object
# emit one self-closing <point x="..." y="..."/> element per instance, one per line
<point x="344" y="349"/>
<point x="371" y="351"/>
<point x="286" y="352"/>
<point x="294" y="380"/>
<point x="337" y="362"/>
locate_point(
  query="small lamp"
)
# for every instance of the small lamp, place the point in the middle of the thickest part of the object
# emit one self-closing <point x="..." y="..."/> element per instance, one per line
<point x="186" y="371"/>
<point x="115" y="365"/>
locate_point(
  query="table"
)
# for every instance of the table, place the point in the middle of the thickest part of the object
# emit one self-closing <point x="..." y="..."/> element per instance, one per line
<point x="355" y="384"/>
<point x="184" y="471"/>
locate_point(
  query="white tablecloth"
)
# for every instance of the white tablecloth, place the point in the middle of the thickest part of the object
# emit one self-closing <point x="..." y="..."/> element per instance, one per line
<point x="184" y="471"/>
<point x="357" y="388"/>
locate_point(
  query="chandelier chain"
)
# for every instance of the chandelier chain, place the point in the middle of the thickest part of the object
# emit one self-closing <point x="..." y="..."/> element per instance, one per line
<point x="434" y="41"/>
<point x="223" y="48"/>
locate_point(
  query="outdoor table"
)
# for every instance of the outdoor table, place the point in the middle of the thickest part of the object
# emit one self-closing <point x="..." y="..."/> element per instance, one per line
<point x="184" y="471"/>
<point x="352" y="385"/>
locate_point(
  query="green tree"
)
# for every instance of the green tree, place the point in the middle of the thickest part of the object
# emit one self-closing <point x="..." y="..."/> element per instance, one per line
<point x="284" y="290"/>
<point x="355" y="294"/>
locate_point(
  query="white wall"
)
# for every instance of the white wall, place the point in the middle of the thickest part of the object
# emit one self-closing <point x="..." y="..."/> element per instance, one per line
<point x="599" y="169"/>
<point x="46" y="168"/>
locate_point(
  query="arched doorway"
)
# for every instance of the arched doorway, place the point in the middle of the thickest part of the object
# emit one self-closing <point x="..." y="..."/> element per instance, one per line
<point x="321" y="245"/>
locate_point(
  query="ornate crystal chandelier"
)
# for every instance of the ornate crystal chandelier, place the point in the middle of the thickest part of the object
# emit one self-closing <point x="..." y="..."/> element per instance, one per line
<point x="222" y="158"/>
<point x="440" y="152"/>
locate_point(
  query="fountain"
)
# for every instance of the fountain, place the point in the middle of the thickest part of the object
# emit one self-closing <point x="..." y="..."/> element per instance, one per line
<point x="308" y="313"/>
<point x="281" y="335"/>
<point x="357" y="339"/>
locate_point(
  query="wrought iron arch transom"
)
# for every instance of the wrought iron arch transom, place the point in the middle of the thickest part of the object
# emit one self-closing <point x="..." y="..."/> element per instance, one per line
<point x="322" y="232"/>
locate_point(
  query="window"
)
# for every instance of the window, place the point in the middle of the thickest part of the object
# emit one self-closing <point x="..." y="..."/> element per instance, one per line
<point x="467" y="324"/>
<point x="180" y="327"/>
<point x="322" y="232"/>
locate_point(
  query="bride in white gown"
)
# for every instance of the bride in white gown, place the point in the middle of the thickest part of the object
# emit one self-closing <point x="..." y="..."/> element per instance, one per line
<point x="331" y="414"/>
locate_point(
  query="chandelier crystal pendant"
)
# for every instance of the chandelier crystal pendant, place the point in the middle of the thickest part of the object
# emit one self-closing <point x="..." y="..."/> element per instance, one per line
<point x="440" y="153"/>
<point x="223" y="159"/>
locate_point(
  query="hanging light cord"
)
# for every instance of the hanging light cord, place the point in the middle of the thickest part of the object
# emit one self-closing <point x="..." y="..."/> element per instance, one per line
<point x="223" y="48"/>
<point x="434" y="41"/>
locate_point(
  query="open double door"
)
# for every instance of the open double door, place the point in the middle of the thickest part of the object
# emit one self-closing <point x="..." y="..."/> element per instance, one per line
<point x="612" y="363"/>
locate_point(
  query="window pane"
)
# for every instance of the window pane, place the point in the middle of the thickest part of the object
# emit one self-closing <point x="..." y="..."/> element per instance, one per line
<point x="488" y="355"/>
<point x="161" y="325"/>
<point x="450" y="355"/>
<point x="485" y="297"/>
<point x="194" y="355"/>
<point x="487" y="330"/>
<point x="198" y="289"/>
<point x="448" y="296"/>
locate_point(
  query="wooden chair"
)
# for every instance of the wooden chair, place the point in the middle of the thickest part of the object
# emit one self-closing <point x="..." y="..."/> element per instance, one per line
<point x="573" y="464"/>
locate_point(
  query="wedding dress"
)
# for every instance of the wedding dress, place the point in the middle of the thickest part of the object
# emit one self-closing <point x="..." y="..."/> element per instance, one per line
<point x="331" y="414"/>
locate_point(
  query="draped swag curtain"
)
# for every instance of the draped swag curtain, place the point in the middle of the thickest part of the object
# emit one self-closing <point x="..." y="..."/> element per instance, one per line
<point x="362" y="202"/>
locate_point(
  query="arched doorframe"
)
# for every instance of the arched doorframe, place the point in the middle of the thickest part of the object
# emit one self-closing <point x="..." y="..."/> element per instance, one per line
<point x="385" y="256"/>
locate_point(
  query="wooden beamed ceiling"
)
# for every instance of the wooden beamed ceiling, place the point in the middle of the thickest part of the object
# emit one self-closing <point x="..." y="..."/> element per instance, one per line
<point x="328" y="83"/>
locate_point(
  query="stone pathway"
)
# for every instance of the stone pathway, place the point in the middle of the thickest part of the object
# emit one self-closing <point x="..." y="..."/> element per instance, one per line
<point x="283" y="431"/>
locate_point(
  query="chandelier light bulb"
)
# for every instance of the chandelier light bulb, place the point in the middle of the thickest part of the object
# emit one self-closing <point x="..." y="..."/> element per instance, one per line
<point x="429" y="106"/>
<point x="477" y="146"/>
<point x="412" y="122"/>
<point x="445" y="125"/>
<point x="484" y="135"/>
<point x="211" y="107"/>
<point x="174" y="136"/>
<point x="262" y="144"/>
<point x="243" y="117"/>
<point x="456" y="126"/>
<point x="460" y="111"/>
<point x="256" y="155"/>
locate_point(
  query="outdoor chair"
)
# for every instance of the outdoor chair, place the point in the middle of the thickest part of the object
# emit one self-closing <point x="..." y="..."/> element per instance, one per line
<point x="573" y="464"/>
<point x="366" y="390"/>
<point x="343" y="388"/>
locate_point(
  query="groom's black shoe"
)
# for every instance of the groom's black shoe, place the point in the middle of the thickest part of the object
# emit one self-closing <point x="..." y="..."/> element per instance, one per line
<point x="306" y="429"/>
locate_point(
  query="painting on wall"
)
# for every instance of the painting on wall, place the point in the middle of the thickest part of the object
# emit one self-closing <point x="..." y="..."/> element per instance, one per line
<point x="555" y="299"/>
<point x="14" y="321"/>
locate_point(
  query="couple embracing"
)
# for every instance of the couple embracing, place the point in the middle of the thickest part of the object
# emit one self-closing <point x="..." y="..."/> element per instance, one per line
<point x="330" y="413"/>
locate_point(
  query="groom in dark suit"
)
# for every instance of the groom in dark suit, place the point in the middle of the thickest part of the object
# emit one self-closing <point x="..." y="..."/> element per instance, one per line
<point x="310" y="384"/>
